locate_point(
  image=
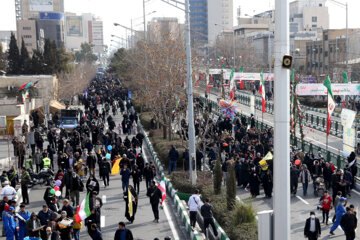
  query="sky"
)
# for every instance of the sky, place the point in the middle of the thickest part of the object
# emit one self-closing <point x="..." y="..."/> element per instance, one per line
<point x="122" y="11"/>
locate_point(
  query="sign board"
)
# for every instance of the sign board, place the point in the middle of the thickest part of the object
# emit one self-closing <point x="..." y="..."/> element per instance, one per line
<point x="348" y="141"/>
<point x="3" y="122"/>
<point x="41" y="5"/>
<point x="347" y="117"/>
<point x="319" y="89"/>
<point x="74" y="26"/>
<point x="51" y="16"/>
<point x="249" y="76"/>
<point x="252" y="104"/>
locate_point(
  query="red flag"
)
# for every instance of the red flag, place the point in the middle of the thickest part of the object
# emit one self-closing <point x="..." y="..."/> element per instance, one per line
<point x="241" y="84"/>
<point x="162" y="188"/>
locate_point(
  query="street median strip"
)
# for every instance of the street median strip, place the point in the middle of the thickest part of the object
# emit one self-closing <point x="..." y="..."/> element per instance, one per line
<point x="181" y="209"/>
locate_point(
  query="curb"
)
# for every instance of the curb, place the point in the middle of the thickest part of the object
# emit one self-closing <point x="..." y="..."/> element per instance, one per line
<point x="181" y="209"/>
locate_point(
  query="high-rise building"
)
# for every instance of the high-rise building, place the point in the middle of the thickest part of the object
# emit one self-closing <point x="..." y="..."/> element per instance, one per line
<point x="30" y="9"/>
<point x="5" y="39"/>
<point x="26" y="29"/>
<point x="208" y="18"/>
<point x="97" y="36"/>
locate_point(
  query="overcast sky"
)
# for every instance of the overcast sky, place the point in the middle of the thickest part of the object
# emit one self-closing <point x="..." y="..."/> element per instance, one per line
<point x="122" y="11"/>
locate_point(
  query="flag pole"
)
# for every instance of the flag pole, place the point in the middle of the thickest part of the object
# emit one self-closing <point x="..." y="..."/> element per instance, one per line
<point x="327" y="127"/>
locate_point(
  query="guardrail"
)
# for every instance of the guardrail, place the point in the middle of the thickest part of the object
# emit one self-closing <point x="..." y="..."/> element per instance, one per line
<point x="313" y="121"/>
<point x="179" y="205"/>
<point x="339" y="160"/>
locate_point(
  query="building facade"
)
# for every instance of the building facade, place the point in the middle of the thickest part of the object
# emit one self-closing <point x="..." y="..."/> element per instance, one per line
<point x="5" y="39"/>
<point x="199" y="22"/>
<point x="26" y="29"/>
<point x="30" y="9"/>
<point x="96" y="36"/>
<point x="160" y="27"/>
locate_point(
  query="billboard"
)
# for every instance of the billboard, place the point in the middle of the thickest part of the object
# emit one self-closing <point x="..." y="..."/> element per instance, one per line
<point x="74" y="26"/>
<point x="51" y="16"/>
<point x="318" y="89"/>
<point x="41" y="5"/>
<point x="348" y="141"/>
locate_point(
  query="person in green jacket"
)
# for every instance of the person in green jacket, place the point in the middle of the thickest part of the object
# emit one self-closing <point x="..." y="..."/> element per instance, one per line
<point x="33" y="226"/>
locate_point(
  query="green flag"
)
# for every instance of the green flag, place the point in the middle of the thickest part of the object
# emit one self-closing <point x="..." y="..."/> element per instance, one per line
<point x="292" y="76"/>
<point x="241" y="69"/>
<point x="345" y="76"/>
<point x="327" y="84"/>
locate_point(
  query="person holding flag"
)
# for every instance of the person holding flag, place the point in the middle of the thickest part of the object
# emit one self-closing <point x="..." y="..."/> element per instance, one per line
<point x="154" y="193"/>
<point x="131" y="202"/>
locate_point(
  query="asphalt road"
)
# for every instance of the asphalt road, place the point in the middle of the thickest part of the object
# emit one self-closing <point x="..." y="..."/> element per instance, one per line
<point x="113" y="210"/>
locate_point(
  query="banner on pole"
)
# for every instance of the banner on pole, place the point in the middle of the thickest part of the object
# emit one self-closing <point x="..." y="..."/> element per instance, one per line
<point x="252" y="105"/>
<point x="319" y="89"/>
<point x="347" y="117"/>
<point x="349" y="135"/>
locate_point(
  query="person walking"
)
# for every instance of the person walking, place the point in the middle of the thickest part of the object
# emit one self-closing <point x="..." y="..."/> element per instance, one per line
<point x="125" y="176"/>
<point x="206" y="213"/>
<point x="294" y="179"/>
<point x="148" y="175"/>
<point x="326" y="206"/>
<point x="23" y="215"/>
<point x="44" y="216"/>
<point x="312" y="230"/>
<point x="8" y="191"/>
<point x="9" y="224"/>
<point x="95" y="233"/>
<point x="340" y="211"/>
<point x="155" y="195"/>
<point x="105" y="172"/>
<point x="122" y="233"/>
<point x="136" y="175"/>
<point x="194" y="204"/>
<point x="77" y="227"/>
<point x="134" y="202"/>
<point x="305" y="178"/>
<point x="25" y="181"/>
<point x="349" y="224"/>
<point x="76" y="186"/>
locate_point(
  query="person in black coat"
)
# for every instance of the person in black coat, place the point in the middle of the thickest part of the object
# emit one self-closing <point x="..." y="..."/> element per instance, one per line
<point x="105" y="170"/>
<point x="254" y="182"/>
<point x="268" y="183"/>
<point x="95" y="233"/>
<point x="155" y="195"/>
<point x="134" y="204"/>
<point x="137" y="178"/>
<point x="349" y="224"/>
<point x="128" y="233"/>
<point x="312" y="229"/>
<point x="148" y="175"/>
<point x="92" y="184"/>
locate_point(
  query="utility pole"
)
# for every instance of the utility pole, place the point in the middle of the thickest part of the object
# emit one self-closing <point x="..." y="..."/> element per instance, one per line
<point x="191" y="131"/>
<point x="281" y="200"/>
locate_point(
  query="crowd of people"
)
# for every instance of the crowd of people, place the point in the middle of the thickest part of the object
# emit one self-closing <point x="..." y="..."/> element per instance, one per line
<point x="79" y="157"/>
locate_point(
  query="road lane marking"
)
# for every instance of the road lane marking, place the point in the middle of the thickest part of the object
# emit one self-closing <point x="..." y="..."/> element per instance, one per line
<point x="358" y="193"/>
<point x="303" y="200"/>
<point x="102" y="221"/>
<point x="103" y="198"/>
<point x="170" y="221"/>
<point x="166" y="210"/>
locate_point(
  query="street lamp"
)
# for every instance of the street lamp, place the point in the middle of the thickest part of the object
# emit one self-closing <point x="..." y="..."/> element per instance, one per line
<point x="233" y="33"/>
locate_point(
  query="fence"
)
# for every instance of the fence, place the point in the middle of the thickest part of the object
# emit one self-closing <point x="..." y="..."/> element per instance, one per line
<point x="337" y="159"/>
<point x="181" y="209"/>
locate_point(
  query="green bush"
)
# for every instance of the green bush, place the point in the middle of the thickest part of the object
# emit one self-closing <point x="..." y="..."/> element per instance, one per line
<point x="217" y="177"/>
<point x="181" y="182"/>
<point x="145" y="118"/>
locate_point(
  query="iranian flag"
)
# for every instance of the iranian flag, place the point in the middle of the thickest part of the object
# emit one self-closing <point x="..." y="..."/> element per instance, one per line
<point x="83" y="210"/>
<point x="262" y="89"/>
<point x="232" y="85"/>
<point x="241" y="80"/>
<point x="162" y="188"/>
<point x="331" y="103"/>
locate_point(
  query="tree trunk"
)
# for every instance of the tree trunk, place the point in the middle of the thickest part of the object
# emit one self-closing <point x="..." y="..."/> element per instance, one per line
<point x="164" y="131"/>
<point x="169" y="130"/>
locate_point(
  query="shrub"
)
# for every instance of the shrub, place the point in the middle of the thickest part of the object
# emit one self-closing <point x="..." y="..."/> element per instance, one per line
<point x="231" y="187"/>
<point x="145" y="118"/>
<point x="217" y="177"/>
<point x="181" y="182"/>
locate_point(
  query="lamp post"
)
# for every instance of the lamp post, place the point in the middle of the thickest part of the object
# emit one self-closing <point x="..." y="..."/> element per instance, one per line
<point x="191" y="128"/>
<point x="281" y="200"/>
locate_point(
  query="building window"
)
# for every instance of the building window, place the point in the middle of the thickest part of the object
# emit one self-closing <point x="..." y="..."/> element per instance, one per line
<point x="326" y="53"/>
<point x="28" y="44"/>
<point x="314" y="26"/>
<point x="320" y="50"/>
<point x="314" y="19"/>
<point x="326" y="37"/>
<point x="331" y="49"/>
<point x="27" y="36"/>
<point x="26" y="28"/>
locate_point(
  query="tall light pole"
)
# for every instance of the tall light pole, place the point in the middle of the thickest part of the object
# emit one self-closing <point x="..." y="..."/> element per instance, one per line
<point x="281" y="200"/>
<point x="190" y="110"/>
